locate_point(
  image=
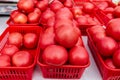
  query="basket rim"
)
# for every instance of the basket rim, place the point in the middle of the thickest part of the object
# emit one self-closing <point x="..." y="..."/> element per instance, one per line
<point x="98" y="55"/>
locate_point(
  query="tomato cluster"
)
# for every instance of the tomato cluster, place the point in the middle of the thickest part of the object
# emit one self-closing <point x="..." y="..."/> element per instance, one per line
<point x="15" y="52"/>
<point x="106" y="41"/>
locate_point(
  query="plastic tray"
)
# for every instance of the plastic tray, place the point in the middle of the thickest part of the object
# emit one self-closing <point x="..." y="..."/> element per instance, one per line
<point x="10" y="23"/>
<point x="106" y="72"/>
<point x="19" y="73"/>
<point x="61" y="72"/>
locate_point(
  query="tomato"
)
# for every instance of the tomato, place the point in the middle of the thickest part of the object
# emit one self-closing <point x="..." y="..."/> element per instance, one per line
<point x="88" y="7"/>
<point x="78" y="56"/>
<point x="67" y="14"/>
<point x="82" y="20"/>
<point x="77" y="11"/>
<point x="103" y="5"/>
<point x="33" y="17"/>
<point x="109" y="63"/>
<point x="110" y="16"/>
<point x="63" y="37"/>
<point x="48" y="38"/>
<point x="96" y="29"/>
<point x="116" y="12"/>
<point x="20" y="18"/>
<point x="56" y="5"/>
<point x="13" y="14"/>
<point x="116" y="58"/>
<point x="26" y="6"/>
<point x="5" y="61"/>
<point x="51" y="22"/>
<point x="55" y="55"/>
<point x="30" y="40"/>
<point x="22" y="59"/>
<point x="42" y="5"/>
<point x="15" y="38"/>
<point x="10" y="50"/>
<point x="109" y="10"/>
<point x="68" y="3"/>
<point x="113" y="28"/>
<point x="107" y="46"/>
<point x="47" y="14"/>
<point x="37" y="10"/>
<point x="79" y="42"/>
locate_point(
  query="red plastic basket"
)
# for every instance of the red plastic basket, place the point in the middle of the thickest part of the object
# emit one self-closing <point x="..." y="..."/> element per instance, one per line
<point x="100" y="14"/>
<point x="11" y="23"/>
<point x="19" y="73"/>
<point x="66" y="71"/>
<point x="106" y="72"/>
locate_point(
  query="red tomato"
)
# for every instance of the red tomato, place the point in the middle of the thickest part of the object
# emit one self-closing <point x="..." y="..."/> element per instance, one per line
<point x="42" y="5"/>
<point x="13" y="14"/>
<point x="48" y="38"/>
<point x="116" y="12"/>
<point x="107" y="46"/>
<point x="78" y="56"/>
<point x="96" y="29"/>
<point x="9" y="50"/>
<point x="77" y="11"/>
<point x="109" y="63"/>
<point x="109" y="10"/>
<point x="47" y="14"/>
<point x="82" y="20"/>
<point x="113" y="28"/>
<point x="26" y="5"/>
<point x="20" y="18"/>
<point x="67" y="14"/>
<point x="55" y="55"/>
<point x="15" y="38"/>
<point x="56" y="5"/>
<point x="110" y="16"/>
<point x="116" y="58"/>
<point x="22" y="59"/>
<point x="37" y="10"/>
<point x="102" y="5"/>
<point x="5" y="61"/>
<point x="30" y="40"/>
<point x="68" y="3"/>
<point x="98" y="36"/>
<point x="63" y="37"/>
<point x="88" y="7"/>
<point x="79" y="42"/>
<point x="33" y="17"/>
<point x="51" y="22"/>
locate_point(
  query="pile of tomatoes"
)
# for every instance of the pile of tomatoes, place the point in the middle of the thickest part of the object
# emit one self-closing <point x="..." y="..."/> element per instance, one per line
<point x="107" y="41"/>
<point x="16" y="50"/>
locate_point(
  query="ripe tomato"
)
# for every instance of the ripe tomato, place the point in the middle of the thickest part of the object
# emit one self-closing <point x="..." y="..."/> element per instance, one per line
<point x="56" y="5"/>
<point x="113" y="28"/>
<point x="68" y="3"/>
<point x="109" y="63"/>
<point x="20" y="18"/>
<point x="26" y="5"/>
<point x="107" y="46"/>
<point x="63" y="37"/>
<point x="55" y="55"/>
<point x="88" y="7"/>
<point x="15" y="38"/>
<point x="22" y="59"/>
<point x="48" y="38"/>
<point x="5" y="61"/>
<point x="10" y="50"/>
<point x="78" y="56"/>
<point x="30" y="40"/>
<point x="116" y="12"/>
<point x="116" y="58"/>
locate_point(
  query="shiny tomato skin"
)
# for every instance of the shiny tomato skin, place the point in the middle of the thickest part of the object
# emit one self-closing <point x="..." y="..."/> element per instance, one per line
<point x="30" y="40"/>
<point x="78" y="56"/>
<point x="109" y="63"/>
<point x="22" y="59"/>
<point x="55" y="55"/>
